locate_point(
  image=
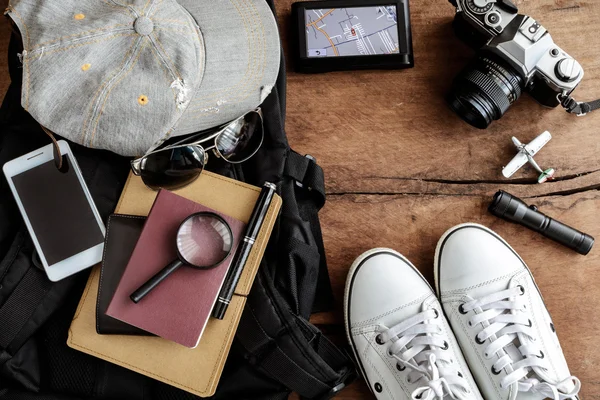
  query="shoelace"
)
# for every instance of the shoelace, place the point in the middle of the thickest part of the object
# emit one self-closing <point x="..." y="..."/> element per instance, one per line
<point x="504" y="318"/>
<point x="418" y="343"/>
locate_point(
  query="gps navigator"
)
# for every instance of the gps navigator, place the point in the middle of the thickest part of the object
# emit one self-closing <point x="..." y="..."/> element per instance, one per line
<point x="352" y="34"/>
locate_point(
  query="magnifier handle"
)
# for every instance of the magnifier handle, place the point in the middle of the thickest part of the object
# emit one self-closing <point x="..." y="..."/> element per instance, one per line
<point x="154" y="281"/>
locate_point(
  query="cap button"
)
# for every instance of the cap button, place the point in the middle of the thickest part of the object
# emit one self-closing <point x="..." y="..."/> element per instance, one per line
<point x="144" y="26"/>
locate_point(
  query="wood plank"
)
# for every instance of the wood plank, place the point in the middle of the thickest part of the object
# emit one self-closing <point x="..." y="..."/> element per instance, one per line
<point x="368" y="128"/>
<point x="412" y="224"/>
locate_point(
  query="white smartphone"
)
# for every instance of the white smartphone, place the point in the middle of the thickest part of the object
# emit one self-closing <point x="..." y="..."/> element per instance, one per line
<point x="59" y="212"/>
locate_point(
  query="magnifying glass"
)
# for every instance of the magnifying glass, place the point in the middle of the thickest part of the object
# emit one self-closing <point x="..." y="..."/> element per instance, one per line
<point x="204" y="240"/>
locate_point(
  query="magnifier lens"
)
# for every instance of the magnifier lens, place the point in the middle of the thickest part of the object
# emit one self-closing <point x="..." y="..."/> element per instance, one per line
<point x="204" y="240"/>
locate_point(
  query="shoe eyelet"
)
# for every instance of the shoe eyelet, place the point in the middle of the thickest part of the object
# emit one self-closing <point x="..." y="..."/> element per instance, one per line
<point x="408" y="380"/>
<point x="461" y="309"/>
<point x="495" y="372"/>
<point x="400" y="367"/>
<point x="541" y="355"/>
<point x="530" y="323"/>
<point x="437" y="314"/>
<point x="446" y="346"/>
<point x="378" y="387"/>
<point x="460" y="374"/>
<point x="470" y="323"/>
<point x="522" y="289"/>
<point x="379" y="340"/>
<point x="390" y="354"/>
<point x="419" y="396"/>
<point x="479" y="341"/>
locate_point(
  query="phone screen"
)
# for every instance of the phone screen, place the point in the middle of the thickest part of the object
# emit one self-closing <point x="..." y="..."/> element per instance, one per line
<point x="352" y="31"/>
<point x="58" y="210"/>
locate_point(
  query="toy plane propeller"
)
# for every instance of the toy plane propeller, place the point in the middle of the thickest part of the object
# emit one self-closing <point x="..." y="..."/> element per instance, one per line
<point x="525" y="155"/>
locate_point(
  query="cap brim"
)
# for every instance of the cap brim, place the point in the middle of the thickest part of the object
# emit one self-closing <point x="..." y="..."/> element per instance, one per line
<point x="242" y="59"/>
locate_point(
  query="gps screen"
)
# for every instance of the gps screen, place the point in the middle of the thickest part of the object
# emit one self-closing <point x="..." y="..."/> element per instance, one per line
<point x="352" y="31"/>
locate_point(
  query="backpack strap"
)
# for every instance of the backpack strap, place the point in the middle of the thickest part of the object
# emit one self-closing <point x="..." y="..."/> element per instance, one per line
<point x="21" y="305"/>
<point x="310" y="181"/>
<point x="290" y="349"/>
<point x="307" y="174"/>
<point x="29" y="290"/>
<point x="279" y="342"/>
<point x="27" y="300"/>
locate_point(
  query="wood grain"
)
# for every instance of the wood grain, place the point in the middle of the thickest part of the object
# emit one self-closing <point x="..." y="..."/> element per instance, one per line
<point x="412" y="224"/>
<point x="401" y="168"/>
<point x="372" y="127"/>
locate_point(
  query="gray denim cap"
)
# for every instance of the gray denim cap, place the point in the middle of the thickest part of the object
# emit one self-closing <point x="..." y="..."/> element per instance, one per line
<point x="126" y="75"/>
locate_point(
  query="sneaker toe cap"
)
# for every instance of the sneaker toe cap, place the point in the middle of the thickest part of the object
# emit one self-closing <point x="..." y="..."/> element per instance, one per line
<point x="472" y="255"/>
<point x="382" y="283"/>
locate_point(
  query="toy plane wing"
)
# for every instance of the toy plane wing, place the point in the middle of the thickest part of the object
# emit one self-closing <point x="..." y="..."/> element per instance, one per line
<point x="514" y="165"/>
<point x="537" y="143"/>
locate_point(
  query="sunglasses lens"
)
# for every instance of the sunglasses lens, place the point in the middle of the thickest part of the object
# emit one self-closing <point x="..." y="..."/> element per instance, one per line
<point x="172" y="168"/>
<point x="242" y="139"/>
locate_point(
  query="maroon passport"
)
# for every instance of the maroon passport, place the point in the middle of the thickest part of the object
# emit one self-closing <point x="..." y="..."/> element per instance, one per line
<point x="179" y="307"/>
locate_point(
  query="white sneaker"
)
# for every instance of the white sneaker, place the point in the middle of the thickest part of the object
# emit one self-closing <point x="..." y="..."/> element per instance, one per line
<point x="499" y="318"/>
<point x="398" y="332"/>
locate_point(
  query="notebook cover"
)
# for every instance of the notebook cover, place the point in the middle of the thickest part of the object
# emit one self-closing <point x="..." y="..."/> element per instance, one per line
<point x="122" y="233"/>
<point x="194" y="370"/>
<point x="180" y="306"/>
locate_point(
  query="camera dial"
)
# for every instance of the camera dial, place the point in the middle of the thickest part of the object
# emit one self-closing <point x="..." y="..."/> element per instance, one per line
<point x="480" y="6"/>
<point x="568" y="70"/>
<point x="493" y="19"/>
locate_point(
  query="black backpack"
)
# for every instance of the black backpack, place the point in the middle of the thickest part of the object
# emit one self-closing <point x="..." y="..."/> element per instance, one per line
<point x="276" y="350"/>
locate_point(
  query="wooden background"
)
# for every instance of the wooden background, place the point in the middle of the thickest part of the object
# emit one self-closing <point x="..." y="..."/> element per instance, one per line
<point x="401" y="168"/>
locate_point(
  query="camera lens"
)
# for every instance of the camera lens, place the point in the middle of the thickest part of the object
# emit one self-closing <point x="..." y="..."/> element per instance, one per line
<point x="484" y="90"/>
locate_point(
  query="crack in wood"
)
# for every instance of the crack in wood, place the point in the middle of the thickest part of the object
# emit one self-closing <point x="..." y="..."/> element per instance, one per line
<point x="568" y="207"/>
<point x="519" y="181"/>
<point x="402" y="194"/>
<point x="575" y="7"/>
<point x="557" y="193"/>
<point x="567" y="192"/>
<point x="566" y="185"/>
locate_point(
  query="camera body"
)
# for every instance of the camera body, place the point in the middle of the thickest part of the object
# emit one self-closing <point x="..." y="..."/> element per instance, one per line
<point x="515" y="53"/>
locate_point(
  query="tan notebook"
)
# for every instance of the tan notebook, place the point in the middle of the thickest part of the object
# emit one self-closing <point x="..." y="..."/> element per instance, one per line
<point x="194" y="370"/>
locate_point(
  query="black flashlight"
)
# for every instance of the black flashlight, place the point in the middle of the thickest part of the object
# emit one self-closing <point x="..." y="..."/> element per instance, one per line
<point x="511" y="208"/>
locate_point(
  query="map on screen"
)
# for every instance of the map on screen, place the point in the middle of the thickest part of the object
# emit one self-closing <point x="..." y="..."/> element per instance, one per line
<point x="352" y="31"/>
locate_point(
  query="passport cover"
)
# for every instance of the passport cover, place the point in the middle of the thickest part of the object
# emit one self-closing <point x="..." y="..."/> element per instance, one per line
<point x="122" y="233"/>
<point x="198" y="370"/>
<point x="179" y="307"/>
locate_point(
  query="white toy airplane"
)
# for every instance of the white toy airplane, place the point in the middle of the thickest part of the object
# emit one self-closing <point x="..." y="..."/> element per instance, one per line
<point x="525" y="155"/>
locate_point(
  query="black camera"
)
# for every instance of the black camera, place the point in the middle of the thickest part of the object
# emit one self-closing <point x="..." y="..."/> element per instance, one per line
<point x="514" y="54"/>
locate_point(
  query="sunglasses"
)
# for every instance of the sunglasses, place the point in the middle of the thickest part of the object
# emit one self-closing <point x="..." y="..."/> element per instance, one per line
<point x="180" y="164"/>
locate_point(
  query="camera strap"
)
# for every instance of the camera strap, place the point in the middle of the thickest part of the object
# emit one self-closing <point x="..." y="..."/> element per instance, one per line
<point x="580" y="108"/>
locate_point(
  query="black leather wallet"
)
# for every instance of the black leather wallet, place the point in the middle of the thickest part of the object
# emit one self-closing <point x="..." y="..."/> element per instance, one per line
<point x="122" y="234"/>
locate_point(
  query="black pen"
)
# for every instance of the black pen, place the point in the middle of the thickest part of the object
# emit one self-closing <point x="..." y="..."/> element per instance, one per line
<point x="241" y="255"/>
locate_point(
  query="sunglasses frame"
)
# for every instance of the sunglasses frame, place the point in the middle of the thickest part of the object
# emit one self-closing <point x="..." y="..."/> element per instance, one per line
<point x="137" y="164"/>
